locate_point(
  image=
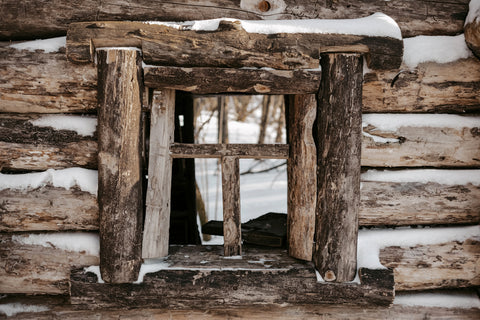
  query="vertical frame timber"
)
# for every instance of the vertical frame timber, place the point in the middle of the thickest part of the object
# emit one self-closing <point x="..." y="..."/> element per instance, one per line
<point x="120" y="197"/>
<point x="232" y="232"/>
<point x="339" y="138"/>
<point x="157" y="216"/>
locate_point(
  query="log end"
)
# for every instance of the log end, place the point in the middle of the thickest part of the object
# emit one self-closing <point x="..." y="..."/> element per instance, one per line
<point x="472" y="36"/>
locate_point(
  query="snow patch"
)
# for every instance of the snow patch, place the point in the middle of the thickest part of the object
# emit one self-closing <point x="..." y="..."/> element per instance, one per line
<point x="448" y="177"/>
<point x="445" y="300"/>
<point x="47" y="45"/>
<point x="380" y="139"/>
<point x="392" y="122"/>
<point x="70" y="241"/>
<point x="151" y="266"/>
<point x="85" y="179"/>
<point x="95" y="270"/>
<point x="83" y="125"/>
<point x="440" y="49"/>
<point x="11" y="309"/>
<point x="473" y="11"/>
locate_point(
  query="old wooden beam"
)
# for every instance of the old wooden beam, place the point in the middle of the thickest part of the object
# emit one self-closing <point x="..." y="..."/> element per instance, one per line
<point x="302" y="176"/>
<point x="157" y="217"/>
<point x="229" y="80"/>
<point x="472" y="30"/>
<point x="232" y="230"/>
<point x="269" y="151"/>
<point x="120" y="197"/>
<point x="339" y="138"/>
<point x="35" y="20"/>
<point x="228" y="46"/>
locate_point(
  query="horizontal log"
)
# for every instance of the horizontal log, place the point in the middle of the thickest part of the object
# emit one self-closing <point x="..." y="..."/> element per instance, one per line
<point x="45" y="82"/>
<point x="382" y="204"/>
<point x="228" y="46"/>
<point x="227" y="80"/>
<point x="32" y="20"/>
<point x="260" y="151"/>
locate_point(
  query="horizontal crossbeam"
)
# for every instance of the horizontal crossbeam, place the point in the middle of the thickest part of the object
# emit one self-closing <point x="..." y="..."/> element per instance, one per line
<point x="242" y="151"/>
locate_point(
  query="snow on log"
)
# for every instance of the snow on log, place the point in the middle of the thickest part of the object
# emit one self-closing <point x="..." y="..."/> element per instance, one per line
<point x="472" y="27"/>
<point x="34" y="20"/>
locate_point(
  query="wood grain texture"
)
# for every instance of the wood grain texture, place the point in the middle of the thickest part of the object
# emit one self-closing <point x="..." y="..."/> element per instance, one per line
<point x="229" y="80"/>
<point x="338" y="140"/>
<point x="29" y="19"/>
<point x="302" y="176"/>
<point x="232" y="229"/>
<point x="472" y="35"/>
<point x="268" y="151"/>
<point x="228" y="46"/>
<point x="157" y="216"/>
<point x="120" y="198"/>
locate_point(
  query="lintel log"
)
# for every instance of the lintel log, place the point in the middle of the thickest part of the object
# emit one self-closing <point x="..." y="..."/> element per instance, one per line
<point x="120" y="196"/>
<point x="338" y="139"/>
<point x="302" y="176"/>
<point x="242" y="151"/>
<point x="472" y="29"/>
<point x="228" y="46"/>
<point x="232" y="229"/>
<point x="229" y="80"/>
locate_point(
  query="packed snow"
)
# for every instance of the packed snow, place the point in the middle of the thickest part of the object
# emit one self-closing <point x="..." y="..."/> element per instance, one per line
<point x="448" y="177"/>
<point x="83" y="125"/>
<point x="85" y="179"/>
<point x="71" y="241"/>
<point x="47" y="45"/>
<point x="473" y="11"/>
<point x="11" y="309"/>
<point x="438" y="299"/>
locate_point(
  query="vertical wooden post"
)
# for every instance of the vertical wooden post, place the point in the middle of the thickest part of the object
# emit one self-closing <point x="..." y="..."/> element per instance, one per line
<point x="339" y="136"/>
<point x="119" y="164"/>
<point x="157" y="217"/>
<point x="232" y="234"/>
<point x="302" y="176"/>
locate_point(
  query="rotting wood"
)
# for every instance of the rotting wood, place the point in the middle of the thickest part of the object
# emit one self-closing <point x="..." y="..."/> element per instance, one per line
<point x="157" y="216"/>
<point x="269" y="151"/>
<point x="231" y="206"/>
<point x="35" y="20"/>
<point x="228" y="80"/>
<point x="338" y="140"/>
<point x="302" y="176"/>
<point x="229" y="46"/>
<point x="197" y="277"/>
<point x="448" y="265"/>
<point x="381" y="204"/>
<point x="472" y="33"/>
<point x="120" y="197"/>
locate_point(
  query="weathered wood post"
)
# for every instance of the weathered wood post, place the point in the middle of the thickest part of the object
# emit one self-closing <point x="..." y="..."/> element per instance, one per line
<point x="339" y="137"/>
<point x="119" y="164"/>
<point x="232" y="232"/>
<point x="157" y="216"/>
<point x="302" y="177"/>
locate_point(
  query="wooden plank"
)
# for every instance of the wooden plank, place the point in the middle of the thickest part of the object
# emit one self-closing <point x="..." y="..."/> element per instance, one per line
<point x="33" y="20"/>
<point x="232" y="229"/>
<point x="120" y="198"/>
<point x="449" y="265"/>
<point x="228" y="46"/>
<point x="228" y="80"/>
<point x="302" y="176"/>
<point x="242" y="151"/>
<point x="204" y="274"/>
<point x="157" y="216"/>
<point x="338" y="139"/>
<point x="45" y="83"/>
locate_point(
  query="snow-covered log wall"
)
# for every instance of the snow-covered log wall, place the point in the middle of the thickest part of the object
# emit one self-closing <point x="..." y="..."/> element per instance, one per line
<point x="420" y="150"/>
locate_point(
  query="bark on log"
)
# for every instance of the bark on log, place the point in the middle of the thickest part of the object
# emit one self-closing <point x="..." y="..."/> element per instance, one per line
<point x="232" y="229"/>
<point x="302" y="176"/>
<point x="157" y="216"/>
<point x="33" y="20"/>
<point x="228" y="46"/>
<point x="338" y="140"/>
<point x="228" y="80"/>
<point x="120" y="198"/>
<point x="242" y="151"/>
<point x="472" y="32"/>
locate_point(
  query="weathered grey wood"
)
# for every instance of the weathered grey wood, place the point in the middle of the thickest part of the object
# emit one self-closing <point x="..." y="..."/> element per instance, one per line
<point x="229" y="46"/>
<point x="269" y="151"/>
<point x="472" y="34"/>
<point x="339" y="138"/>
<point x="232" y="229"/>
<point x="120" y="197"/>
<point x="302" y="176"/>
<point x="449" y="265"/>
<point x="226" y="80"/>
<point x="157" y="216"/>
<point x="44" y="82"/>
<point x="30" y="19"/>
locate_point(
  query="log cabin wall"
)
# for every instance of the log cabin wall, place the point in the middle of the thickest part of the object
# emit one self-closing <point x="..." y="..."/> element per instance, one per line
<point x="435" y="107"/>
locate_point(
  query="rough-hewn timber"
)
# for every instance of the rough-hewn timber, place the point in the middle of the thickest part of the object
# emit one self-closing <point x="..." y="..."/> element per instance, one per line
<point x="269" y="151"/>
<point x="228" y="46"/>
<point x="228" y="80"/>
<point x="33" y="20"/>
<point x="302" y="176"/>
<point x="338" y="140"/>
<point x="232" y="230"/>
<point x="472" y="33"/>
<point x="120" y="198"/>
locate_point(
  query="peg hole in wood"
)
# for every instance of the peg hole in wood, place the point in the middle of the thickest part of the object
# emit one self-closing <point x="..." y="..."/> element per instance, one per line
<point x="264" y="6"/>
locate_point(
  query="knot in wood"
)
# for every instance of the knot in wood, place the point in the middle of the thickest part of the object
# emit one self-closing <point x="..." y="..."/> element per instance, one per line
<point x="264" y="6"/>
